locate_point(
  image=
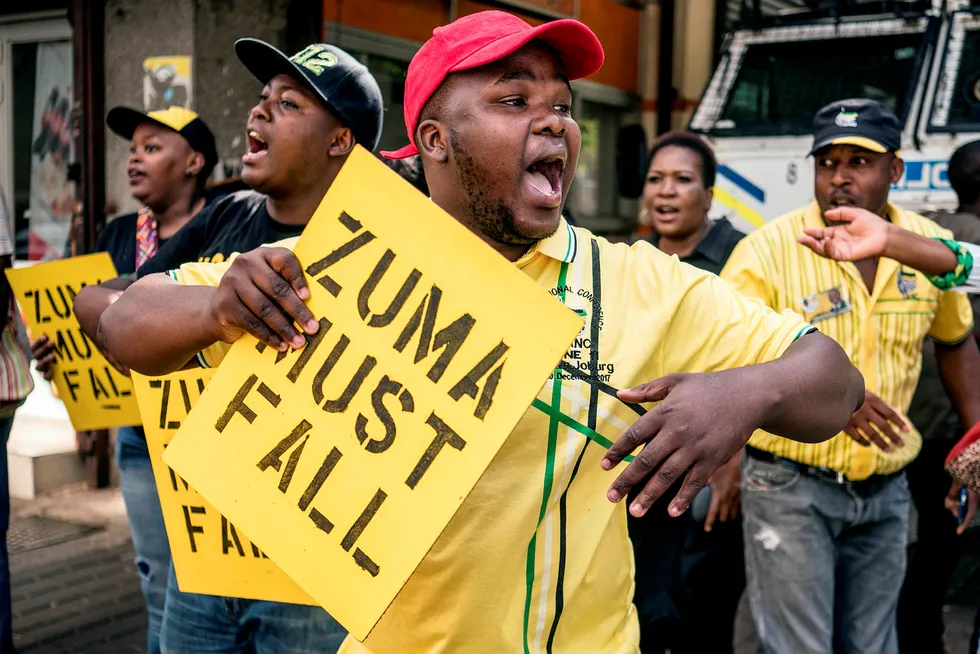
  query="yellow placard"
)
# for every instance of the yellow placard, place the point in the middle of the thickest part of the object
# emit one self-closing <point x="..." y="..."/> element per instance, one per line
<point x="95" y="394"/>
<point x="345" y="461"/>
<point x="210" y="555"/>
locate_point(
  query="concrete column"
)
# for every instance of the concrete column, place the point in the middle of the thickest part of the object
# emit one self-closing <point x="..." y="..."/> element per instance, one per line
<point x="134" y="31"/>
<point x="649" y="60"/>
<point x="693" y="55"/>
<point x="224" y="90"/>
<point x="205" y="30"/>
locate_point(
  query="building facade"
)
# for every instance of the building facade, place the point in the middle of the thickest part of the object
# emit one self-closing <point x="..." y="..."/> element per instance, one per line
<point x="90" y="55"/>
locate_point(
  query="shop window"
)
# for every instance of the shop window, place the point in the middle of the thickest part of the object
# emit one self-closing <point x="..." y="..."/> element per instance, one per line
<point x="781" y="85"/>
<point x="594" y="201"/>
<point x="42" y="199"/>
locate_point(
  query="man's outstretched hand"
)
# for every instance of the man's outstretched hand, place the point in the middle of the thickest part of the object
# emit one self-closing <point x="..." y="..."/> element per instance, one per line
<point x="862" y="235"/>
<point x="953" y="505"/>
<point x="877" y="423"/>
<point x="700" y="423"/>
<point x="42" y="350"/>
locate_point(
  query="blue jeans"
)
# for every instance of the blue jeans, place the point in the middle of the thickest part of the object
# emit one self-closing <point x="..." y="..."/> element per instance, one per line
<point x="200" y="624"/>
<point x="824" y="562"/>
<point x="146" y="526"/>
<point x="6" y="612"/>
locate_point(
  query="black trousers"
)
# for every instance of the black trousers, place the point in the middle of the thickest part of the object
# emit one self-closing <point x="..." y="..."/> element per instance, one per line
<point x="688" y="582"/>
<point x="933" y="558"/>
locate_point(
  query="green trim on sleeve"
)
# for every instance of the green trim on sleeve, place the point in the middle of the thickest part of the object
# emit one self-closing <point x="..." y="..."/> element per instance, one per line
<point x="804" y="330"/>
<point x="967" y="334"/>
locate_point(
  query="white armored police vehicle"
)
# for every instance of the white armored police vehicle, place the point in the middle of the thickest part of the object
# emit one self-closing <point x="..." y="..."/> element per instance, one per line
<point x="921" y="59"/>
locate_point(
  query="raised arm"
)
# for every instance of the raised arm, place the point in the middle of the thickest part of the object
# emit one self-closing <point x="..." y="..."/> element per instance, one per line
<point x="862" y="234"/>
<point x="157" y="325"/>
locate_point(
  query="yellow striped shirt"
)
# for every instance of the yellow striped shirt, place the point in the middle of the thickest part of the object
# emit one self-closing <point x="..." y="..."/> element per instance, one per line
<point x="537" y="559"/>
<point x="881" y="331"/>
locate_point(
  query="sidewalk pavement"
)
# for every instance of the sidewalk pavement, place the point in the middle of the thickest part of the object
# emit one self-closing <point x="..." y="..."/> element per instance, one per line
<point x="80" y="595"/>
<point x="83" y="595"/>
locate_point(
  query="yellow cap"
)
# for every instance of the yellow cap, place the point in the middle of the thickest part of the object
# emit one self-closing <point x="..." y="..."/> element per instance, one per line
<point x="860" y="141"/>
<point x="176" y="118"/>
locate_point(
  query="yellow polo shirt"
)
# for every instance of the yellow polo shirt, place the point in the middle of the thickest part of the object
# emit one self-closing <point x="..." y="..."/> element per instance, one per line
<point x="537" y="559"/>
<point x="881" y="331"/>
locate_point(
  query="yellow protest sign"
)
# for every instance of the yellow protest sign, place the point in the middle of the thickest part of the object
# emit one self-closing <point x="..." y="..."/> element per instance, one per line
<point x="210" y="555"/>
<point x="95" y="394"/>
<point x="344" y="461"/>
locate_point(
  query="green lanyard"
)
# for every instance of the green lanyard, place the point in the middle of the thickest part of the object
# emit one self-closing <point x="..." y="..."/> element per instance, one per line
<point x="553" y="410"/>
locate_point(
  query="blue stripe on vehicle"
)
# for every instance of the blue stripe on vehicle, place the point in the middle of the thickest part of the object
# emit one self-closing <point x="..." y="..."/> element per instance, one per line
<point x="742" y="183"/>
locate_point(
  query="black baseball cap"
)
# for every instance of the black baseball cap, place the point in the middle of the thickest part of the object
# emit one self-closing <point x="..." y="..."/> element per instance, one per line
<point x="344" y="84"/>
<point x="123" y="121"/>
<point x="859" y="121"/>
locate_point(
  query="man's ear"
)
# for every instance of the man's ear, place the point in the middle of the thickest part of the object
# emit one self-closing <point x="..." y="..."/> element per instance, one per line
<point x="194" y="164"/>
<point x="342" y="144"/>
<point x="897" y="170"/>
<point x="432" y="138"/>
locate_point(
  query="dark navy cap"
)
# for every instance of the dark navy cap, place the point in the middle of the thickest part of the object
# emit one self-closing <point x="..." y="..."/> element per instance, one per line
<point x="859" y="121"/>
<point x="344" y="84"/>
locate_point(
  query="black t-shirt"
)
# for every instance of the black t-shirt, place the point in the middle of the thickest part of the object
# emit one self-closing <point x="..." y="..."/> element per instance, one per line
<point x="118" y="238"/>
<point x="238" y="222"/>
<point x="714" y="249"/>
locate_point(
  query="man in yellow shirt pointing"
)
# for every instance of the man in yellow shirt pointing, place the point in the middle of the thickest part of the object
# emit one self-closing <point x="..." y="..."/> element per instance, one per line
<point x="538" y="558"/>
<point x="825" y="525"/>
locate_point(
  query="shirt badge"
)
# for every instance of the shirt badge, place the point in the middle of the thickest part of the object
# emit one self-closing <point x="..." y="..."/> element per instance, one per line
<point x="906" y="284"/>
<point x="846" y="118"/>
<point x="825" y="304"/>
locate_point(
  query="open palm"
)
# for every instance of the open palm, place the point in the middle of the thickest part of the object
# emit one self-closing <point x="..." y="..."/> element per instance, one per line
<point x="862" y="235"/>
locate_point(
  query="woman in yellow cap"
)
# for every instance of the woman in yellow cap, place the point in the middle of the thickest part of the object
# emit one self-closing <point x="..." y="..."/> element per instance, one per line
<point x="171" y="155"/>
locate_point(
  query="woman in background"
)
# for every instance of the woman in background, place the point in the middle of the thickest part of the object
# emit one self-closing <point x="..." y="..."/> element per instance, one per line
<point x="171" y="155"/>
<point x="15" y="385"/>
<point x="690" y="571"/>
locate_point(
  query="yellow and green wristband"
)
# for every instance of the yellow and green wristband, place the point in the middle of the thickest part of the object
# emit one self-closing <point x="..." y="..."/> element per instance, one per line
<point x="959" y="275"/>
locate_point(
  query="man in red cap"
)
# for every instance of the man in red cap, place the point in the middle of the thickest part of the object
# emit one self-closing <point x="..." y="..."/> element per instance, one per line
<point x="538" y="557"/>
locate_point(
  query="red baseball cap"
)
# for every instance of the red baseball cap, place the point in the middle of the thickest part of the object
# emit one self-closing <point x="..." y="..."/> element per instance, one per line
<point x="483" y="38"/>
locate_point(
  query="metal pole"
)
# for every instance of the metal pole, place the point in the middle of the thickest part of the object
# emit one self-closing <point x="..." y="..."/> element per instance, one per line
<point x="665" y="68"/>
<point x="88" y="24"/>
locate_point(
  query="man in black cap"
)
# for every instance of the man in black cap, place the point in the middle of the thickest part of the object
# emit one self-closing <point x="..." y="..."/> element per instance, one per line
<point x="314" y="107"/>
<point x="321" y="95"/>
<point x="825" y="525"/>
